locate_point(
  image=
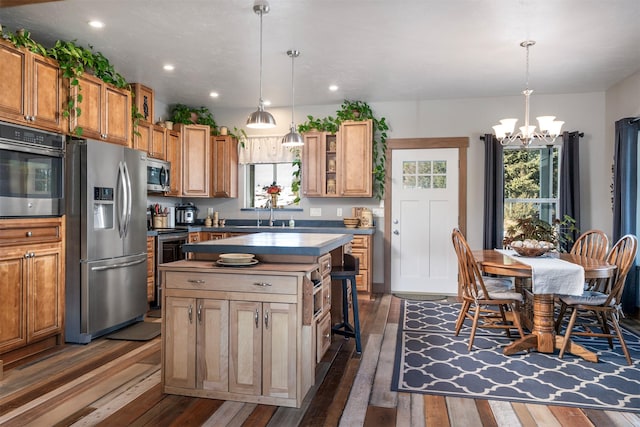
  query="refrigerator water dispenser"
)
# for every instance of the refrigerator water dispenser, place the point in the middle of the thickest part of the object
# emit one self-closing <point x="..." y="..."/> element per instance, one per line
<point x="103" y="208"/>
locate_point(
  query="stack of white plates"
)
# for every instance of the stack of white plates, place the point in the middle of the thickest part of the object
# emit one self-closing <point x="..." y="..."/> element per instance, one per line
<point x="236" y="259"/>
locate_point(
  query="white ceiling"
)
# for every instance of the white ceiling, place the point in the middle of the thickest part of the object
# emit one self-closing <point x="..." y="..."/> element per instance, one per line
<point x="374" y="50"/>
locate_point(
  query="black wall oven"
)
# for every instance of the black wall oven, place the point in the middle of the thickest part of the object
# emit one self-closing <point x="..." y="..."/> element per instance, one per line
<point x="31" y="172"/>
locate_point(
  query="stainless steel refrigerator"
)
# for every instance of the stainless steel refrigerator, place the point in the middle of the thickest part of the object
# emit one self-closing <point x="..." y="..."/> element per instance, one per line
<point x="106" y="238"/>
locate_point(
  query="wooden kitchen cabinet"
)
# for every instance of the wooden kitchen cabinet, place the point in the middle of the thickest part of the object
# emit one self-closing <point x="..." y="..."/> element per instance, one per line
<point x="151" y="267"/>
<point x="198" y="330"/>
<point x="30" y="89"/>
<point x="150" y="139"/>
<point x="106" y="111"/>
<point x="339" y="165"/>
<point x="143" y="99"/>
<point x="262" y="349"/>
<point x="32" y="287"/>
<point x="196" y="160"/>
<point x="237" y="334"/>
<point x="224" y="177"/>
<point x="362" y="248"/>
<point x="174" y="156"/>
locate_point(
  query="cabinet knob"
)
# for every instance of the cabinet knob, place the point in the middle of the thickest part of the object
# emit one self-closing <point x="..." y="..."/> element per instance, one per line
<point x="29" y="234"/>
<point x="26" y="255"/>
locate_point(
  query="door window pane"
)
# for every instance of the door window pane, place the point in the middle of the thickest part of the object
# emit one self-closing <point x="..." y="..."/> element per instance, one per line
<point x="424" y="174"/>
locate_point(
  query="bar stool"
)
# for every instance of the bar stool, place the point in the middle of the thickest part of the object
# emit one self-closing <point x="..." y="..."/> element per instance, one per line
<point x="347" y="273"/>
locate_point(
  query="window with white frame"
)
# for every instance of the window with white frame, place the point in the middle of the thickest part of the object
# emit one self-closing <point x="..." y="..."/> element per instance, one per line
<point x="266" y="162"/>
<point x="531" y="183"/>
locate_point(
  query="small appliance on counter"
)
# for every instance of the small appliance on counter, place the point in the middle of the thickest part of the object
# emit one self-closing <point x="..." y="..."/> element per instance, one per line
<point x="186" y="214"/>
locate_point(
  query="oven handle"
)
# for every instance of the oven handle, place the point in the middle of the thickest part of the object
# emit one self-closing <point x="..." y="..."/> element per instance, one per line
<point x="25" y="148"/>
<point x="114" y="266"/>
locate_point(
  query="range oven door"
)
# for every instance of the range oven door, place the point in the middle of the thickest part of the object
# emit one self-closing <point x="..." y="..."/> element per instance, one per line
<point x="31" y="180"/>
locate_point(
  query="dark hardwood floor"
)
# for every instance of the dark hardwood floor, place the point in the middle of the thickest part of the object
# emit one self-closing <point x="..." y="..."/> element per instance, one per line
<point x="117" y="383"/>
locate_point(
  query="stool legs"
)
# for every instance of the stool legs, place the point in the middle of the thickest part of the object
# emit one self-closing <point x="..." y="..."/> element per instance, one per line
<point x="345" y="328"/>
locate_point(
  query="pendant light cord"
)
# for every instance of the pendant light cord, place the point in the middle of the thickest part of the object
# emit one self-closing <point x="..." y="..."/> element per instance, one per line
<point x="261" y="102"/>
<point x="293" y="90"/>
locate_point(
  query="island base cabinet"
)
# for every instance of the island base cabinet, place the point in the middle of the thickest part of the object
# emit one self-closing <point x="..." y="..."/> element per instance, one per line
<point x="263" y="349"/>
<point x="196" y="345"/>
<point x="237" y="334"/>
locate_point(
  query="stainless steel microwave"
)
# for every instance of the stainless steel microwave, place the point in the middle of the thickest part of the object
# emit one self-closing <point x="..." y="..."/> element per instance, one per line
<point x="31" y="172"/>
<point x="158" y="176"/>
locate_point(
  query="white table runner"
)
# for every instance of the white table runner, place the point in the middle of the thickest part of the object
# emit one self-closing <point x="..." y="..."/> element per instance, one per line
<point x="551" y="275"/>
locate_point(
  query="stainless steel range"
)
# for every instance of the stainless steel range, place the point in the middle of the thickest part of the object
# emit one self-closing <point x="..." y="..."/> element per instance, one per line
<point x="168" y="249"/>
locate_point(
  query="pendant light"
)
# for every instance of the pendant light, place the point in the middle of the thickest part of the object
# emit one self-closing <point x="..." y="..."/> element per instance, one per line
<point x="293" y="138"/>
<point x="261" y="119"/>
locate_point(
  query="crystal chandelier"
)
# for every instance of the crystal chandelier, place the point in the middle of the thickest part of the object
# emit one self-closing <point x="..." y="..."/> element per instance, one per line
<point x="548" y="125"/>
<point x="293" y="138"/>
<point x="261" y="119"/>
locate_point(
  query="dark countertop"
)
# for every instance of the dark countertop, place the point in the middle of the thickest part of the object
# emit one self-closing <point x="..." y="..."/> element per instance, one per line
<point x="302" y="226"/>
<point x="314" y="244"/>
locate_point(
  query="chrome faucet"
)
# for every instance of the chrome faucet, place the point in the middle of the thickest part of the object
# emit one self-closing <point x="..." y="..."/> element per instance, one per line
<point x="270" y="204"/>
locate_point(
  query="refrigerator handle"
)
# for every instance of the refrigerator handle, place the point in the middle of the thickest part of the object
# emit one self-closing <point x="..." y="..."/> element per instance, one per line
<point x="121" y="200"/>
<point x="122" y="265"/>
<point x="128" y="196"/>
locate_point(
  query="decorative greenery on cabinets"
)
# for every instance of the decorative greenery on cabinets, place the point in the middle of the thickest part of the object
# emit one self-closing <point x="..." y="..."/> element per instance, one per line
<point x="357" y="110"/>
<point x="73" y="60"/>
<point x="189" y="115"/>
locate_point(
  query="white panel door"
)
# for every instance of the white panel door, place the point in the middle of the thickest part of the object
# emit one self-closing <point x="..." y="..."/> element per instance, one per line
<point x="424" y="211"/>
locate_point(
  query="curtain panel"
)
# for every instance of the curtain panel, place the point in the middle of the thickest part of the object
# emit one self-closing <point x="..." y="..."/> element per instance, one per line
<point x="625" y="199"/>
<point x="265" y="149"/>
<point x="493" y="193"/>
<point x="570" y="179"/>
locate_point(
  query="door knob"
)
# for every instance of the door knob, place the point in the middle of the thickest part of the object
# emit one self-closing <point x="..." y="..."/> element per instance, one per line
<point x="395" y="221"/>
<point x="396" y="232"/>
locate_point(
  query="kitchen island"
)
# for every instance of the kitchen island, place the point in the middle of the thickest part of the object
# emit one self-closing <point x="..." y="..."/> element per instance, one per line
<point x="248" y="333"/>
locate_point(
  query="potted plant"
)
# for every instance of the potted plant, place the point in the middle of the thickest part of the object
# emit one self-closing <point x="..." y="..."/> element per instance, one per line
<point x="187" y="115"/>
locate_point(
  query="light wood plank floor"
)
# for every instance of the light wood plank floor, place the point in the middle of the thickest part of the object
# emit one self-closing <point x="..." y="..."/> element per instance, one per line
<point x="117" y="383"/>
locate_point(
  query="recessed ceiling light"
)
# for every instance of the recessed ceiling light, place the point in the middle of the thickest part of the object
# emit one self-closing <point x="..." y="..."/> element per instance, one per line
<point x="96" y="24"/>
<point x="168" y="67"/>
<point x="333" y="88"/>
<point x="266" y="102"/>
<point x="214" y="94"/>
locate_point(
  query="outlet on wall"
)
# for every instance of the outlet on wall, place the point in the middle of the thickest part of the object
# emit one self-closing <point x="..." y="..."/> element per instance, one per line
<point x="315" y="212"/>
<point x="339" y="212"/>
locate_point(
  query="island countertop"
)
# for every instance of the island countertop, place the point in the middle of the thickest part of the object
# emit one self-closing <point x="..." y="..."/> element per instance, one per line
<point x="309" y="244"/>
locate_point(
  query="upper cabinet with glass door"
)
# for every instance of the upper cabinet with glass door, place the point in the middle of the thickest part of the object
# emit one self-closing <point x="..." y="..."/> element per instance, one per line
<point x="339" y="165"/>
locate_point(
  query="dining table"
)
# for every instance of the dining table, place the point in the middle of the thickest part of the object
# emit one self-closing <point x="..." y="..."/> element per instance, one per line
<point x="542" y="324"/>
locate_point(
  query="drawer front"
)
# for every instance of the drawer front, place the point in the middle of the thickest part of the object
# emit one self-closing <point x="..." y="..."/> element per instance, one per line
<point x="363" y="256"/>
<point x="41" y="233"/>
<point x="325" y="264"/>
<point x="323" y="336"/>
<point x="362" y="281"/>
<point x="263" y="284"/>
<point x="360" y="241"/>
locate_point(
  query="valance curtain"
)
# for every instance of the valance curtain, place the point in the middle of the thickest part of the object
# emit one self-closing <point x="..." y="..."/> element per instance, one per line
<point x="265" y="149"/>
<point x="493" y="193"/>
<point x="570" y="180"/>
<point x="625" y="198"/>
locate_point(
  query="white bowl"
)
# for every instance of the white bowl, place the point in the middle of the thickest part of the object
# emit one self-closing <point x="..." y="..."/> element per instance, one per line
<point x="236" y="258"/>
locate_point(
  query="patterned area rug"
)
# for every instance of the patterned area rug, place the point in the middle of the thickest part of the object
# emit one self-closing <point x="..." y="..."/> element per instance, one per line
<point x="431" y="360"/>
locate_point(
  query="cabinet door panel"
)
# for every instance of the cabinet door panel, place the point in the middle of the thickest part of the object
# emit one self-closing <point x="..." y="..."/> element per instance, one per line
<point x="13" y="69"/>
<point x="313" y="159"/>
<point x="195" y="160"/>
<point x="46" y="93"/>
<point x="213" y="344"/>
<point x="174" y="156"/>
<point x="245" y="366"/>
<point x="12" y="317"/>
<point x="117" y="116"/>
<point x="279" y="352"/>
<point x="141" y="141"/>
<point x="180" y="351"/>
<point x="45" y="304"/>
<point x="355" y="143"/>
<point x="90" y="119"/>
<point x="158" y="145"/>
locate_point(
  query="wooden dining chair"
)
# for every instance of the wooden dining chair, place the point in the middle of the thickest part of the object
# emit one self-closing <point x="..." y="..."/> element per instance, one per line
<point x="600" y="309"/>
<point x="591" y="244"/>
<point x="488" y="302"/>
